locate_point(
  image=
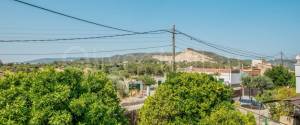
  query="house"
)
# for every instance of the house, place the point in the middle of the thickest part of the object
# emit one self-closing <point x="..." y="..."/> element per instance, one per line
<point x="251" y="71"/>
<point x="258" y="67"/>
<point x="228" y="76"/>
<point x="297" y="74"/>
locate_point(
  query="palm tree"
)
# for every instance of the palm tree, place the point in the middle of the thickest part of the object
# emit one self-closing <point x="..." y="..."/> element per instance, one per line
<point x="247" y="82"/>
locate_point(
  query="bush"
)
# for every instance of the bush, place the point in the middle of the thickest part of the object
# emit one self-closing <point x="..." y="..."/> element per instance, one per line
<point x="226" y="115"/>
<point x="281" y="76"/>
<point x="53" y="97"/>
<point x="274" y="99"/>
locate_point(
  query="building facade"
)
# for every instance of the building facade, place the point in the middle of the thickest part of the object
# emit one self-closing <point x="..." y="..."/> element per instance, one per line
<point x="297" y="74"/>
<point x="227" y="76"/>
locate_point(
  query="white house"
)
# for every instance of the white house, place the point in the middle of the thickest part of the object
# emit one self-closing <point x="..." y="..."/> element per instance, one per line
<point x="297" y="73"/>
<point x="256" y="62"/>
<point x="228" y="76"/>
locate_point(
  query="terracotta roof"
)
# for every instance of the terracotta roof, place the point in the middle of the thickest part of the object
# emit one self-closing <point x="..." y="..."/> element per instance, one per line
<point x="252" y="72"/>
<point x="210" y="70"/>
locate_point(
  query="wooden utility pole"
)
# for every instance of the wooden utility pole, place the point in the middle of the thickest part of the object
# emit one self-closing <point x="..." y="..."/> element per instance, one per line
<point x="173" y="46"/>
<point x="281" y="58"/>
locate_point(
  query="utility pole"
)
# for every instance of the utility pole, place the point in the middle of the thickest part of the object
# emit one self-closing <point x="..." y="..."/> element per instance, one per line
<point x="281" y="58"/>
<point x="173" y="45"/>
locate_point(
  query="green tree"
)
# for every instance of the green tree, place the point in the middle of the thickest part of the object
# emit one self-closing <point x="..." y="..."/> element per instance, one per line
<point x="280" y="76"/>
<point x="14" y="102"/>
<point x="226" y="115"/>
<point x="59" y="97"/>
<point x="261" y="83"/>
<point x="247" y="82"/>
<point x="185" y="98"/>
<point x="292" y="81"/>
<point x="147" y="80"/>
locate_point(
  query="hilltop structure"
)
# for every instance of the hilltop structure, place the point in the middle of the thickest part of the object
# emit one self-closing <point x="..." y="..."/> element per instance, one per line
<point x="188" y="55"/>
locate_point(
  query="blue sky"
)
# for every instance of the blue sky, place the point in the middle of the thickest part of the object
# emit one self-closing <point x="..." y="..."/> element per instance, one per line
<point x="263" y="26"/>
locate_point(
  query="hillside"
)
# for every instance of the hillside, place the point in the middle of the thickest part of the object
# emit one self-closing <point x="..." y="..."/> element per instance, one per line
<point x="51" y="60"/>
<point x="189" y="55"/>
<point x="289" y="63"/>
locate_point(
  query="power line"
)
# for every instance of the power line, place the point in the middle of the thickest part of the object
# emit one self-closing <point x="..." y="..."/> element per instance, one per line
<point x="189" y="46"/>
<point x="72" y="17"/>
<point x="82" y="38"/>
<point x="42" y="28"/>
<point x="30" y="34"/>
<point x="224" y="49"/>
<point x="228" y="49"/>
<point x="38" y="33"/>
<point x="70" y="53"/>
<point x="209" y="46"/>
<point x="254" y="54"/>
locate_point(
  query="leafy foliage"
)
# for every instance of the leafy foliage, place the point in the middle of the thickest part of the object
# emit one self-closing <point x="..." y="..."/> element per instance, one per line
<point x="262" y="83"/>
<point x="259" y="82"/>
<point x="279" y="107"/>
<point x="185" y="98"/>
<point x="247" y="82"/>
<point x="147" y="80"/>
<point x="281" y="76"/>
<point x="226" y="115"/>
<point x="59" y="97"/>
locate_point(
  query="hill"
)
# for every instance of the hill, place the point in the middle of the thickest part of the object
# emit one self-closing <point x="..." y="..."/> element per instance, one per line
<point x="51" y="60"/>
<point x="187" y="56"/>
<point x="192" y="55"/>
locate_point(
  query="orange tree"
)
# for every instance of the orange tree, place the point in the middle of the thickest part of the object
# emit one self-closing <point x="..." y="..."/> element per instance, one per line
<point x="59" y="97"/>
<point x="281" y="76"/>
<point x="191" y="98"/>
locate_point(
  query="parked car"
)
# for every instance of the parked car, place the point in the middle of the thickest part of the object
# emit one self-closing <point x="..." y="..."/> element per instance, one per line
<point x="251" y="102"/>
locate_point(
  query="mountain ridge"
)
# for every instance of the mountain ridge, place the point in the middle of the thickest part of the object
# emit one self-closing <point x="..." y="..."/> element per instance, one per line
<point x="189" y="55"/>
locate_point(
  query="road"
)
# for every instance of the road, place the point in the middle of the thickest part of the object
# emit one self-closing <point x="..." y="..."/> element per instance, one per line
<point x="133" y="103"/>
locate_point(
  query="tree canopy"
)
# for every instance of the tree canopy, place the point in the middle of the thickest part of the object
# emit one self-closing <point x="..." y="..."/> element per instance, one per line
<point x="59" y="97"/>
<point x="276" y="104"/>
<point x="226" y="115"/>
<point x="262" y="83"/>
<point x="188" y="98"/>
<point x="247" y="81"/>
<point x="281" y="76"/>
<point x="147" y="80"/>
